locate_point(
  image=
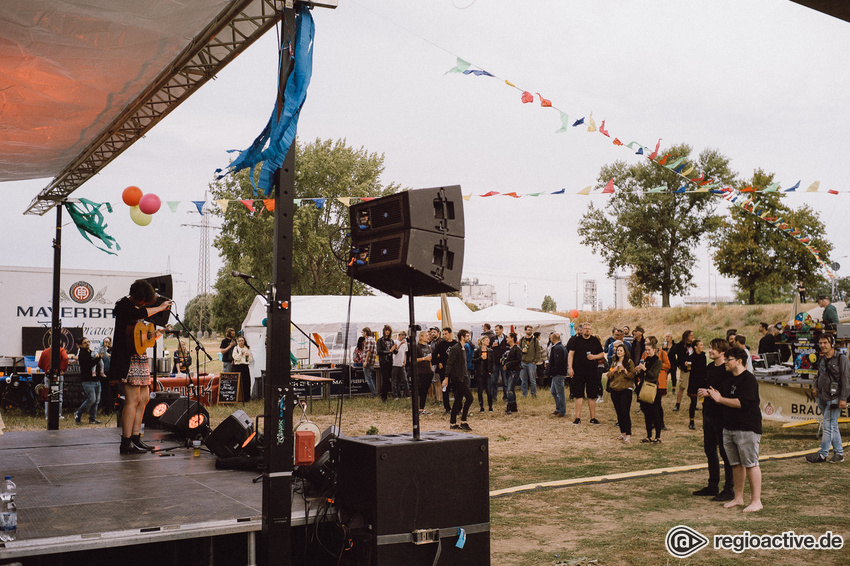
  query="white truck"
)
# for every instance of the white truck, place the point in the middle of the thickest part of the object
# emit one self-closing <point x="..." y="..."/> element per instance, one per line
<point x="86" y="301"/>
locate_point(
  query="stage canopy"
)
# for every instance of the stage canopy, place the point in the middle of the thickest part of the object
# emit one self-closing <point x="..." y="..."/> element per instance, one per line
<point x="81" y="80"/>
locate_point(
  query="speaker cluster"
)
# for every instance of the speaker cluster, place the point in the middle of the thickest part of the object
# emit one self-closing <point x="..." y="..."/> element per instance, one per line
<point x="409" y="242"/>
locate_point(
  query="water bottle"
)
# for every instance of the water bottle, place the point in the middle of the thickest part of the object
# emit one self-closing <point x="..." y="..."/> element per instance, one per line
<point x="8" y="511"/>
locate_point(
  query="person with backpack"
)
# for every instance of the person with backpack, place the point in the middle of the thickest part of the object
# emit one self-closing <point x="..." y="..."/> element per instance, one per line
<point x="831" y="390"/>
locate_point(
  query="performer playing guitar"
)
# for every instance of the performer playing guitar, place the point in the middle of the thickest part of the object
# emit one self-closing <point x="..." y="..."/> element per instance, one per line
<point x="129" y="359"/>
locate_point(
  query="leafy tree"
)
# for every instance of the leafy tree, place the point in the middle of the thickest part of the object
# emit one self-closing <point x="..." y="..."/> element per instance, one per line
<point x="638" y="297"/>
<point x="324" y="169"/>
<point x="766" y="261"/>
<point x="549" y="304"/>
<point x="199" y="313"/>
<point x="654" y="235"/>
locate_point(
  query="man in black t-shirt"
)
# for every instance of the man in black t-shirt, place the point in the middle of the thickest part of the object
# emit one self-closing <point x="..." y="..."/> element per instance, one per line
<point x="583" y="354"/>
<point x="741" y="415"/>
<point x="226" y="350"/>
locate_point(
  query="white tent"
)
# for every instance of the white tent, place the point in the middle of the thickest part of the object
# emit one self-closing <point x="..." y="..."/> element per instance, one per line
<point x="518" y="317"/>
<point x="326" y="316"/>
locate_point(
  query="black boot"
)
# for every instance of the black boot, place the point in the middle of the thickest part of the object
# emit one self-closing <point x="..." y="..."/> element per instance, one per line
<point x="137" y="440"/>
<point x="127" y="447"/>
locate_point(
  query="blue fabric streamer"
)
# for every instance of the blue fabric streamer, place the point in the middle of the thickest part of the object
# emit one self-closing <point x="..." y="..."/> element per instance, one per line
<point x="681" y="189"/>
<point x="639" y="152"/>
<point x="280" y="131"/>
<point x="577" y="122"/>
<point x="200" y="206"/>
<point x="320" y="202"/>
<point x="794" y="188"/>
<point x="562" y="191"/>
<point x="477" y="73"/>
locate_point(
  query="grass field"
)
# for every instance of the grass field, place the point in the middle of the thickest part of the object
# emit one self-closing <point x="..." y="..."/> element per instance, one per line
<point x="620" y="522"/>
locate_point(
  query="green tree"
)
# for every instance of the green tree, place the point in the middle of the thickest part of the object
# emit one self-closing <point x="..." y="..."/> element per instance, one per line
<point x="549" y="304"/>
<point x="323" y="169"/>
<point x="655" y="235"/>
<point x="638" y="296"/>
<point x="765" y="261"/>
<point x="199" y="314"/>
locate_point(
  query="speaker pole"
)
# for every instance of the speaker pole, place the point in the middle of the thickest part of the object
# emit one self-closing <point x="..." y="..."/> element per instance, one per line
<point x="414" y="393"/>
<point x="278" y="458"/>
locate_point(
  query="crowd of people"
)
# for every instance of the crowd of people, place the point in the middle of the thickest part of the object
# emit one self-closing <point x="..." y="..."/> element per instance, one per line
<point x="714" y="378"/>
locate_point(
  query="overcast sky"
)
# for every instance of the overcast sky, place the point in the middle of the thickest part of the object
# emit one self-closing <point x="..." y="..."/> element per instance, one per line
<point x="765" y="82"/>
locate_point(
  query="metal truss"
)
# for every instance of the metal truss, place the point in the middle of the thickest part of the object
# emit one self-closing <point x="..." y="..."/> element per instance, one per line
<point x="234" y="29"/>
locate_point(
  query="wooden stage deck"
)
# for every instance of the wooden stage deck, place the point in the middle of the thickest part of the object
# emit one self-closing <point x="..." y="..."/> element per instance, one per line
<point x="77" y="493"/>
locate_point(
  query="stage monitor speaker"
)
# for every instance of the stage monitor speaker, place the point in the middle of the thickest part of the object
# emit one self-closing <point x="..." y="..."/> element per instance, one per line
<point x="227" y="438"/>
<point x="186" y="417"/>
<point x="426" y="262"/>
<point x="163" y="286"/>
<point x="438" y="209"/>
<point x="157" y="406"/>
<point x="434" y="485"/>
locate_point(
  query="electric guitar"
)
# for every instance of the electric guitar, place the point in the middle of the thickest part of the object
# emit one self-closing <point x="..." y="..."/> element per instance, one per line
<point x="144" y="336"/>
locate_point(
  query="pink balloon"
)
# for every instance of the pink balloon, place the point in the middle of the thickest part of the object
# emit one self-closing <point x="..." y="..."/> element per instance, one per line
<point x="149" y="203"/>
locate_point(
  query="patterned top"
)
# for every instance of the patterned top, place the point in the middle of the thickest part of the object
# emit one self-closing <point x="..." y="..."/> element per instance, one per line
<point x="370" y="349"/>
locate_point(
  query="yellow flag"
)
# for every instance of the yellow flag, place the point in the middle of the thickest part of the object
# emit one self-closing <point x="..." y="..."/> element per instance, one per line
<point x="222" y="204"/>
<point x="345" y="200"/>
<point x="509" y="83"/>
<point x="591" y="123"/>
<point x="584" y="191"/>
<point x="467" y="197"/>
<point x="814" y="187"/>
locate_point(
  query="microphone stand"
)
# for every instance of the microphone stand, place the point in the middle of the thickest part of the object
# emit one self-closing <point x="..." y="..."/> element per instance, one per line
<point x="198" y="348"/>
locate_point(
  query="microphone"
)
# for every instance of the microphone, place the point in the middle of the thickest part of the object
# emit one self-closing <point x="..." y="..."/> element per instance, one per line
<point x="242" y="275"/>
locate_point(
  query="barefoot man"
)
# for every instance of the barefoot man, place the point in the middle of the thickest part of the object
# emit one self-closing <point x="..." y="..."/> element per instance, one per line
<point x="739" y="400"/>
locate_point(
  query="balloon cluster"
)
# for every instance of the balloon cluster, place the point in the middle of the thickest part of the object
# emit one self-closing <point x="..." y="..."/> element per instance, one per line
<point x="142" y="206"/>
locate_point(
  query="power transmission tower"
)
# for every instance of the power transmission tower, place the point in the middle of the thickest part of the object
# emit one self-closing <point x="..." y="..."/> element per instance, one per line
<point x="203" y="266"/>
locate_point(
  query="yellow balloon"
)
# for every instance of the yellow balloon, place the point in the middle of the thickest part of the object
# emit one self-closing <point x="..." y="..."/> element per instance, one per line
<point x="140" y="217"/>
<point x="813" y="358"/>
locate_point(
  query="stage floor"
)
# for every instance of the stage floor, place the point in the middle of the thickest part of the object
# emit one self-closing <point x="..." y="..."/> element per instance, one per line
<point x="76" y="492"/>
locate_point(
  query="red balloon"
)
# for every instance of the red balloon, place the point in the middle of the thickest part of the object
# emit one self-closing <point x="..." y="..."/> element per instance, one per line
<point x="574" y="313"/>
<point x="132" y="195"/>
<point x="150" y="203"/>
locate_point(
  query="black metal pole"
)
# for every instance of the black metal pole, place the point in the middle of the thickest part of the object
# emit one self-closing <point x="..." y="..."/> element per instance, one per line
<point x="414" y="378"/>
<point x="55" y="372"/>
<point x="279" y="397"/>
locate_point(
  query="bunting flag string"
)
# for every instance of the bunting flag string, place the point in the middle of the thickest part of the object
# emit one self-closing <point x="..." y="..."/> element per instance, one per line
<point x="680" y="165"/>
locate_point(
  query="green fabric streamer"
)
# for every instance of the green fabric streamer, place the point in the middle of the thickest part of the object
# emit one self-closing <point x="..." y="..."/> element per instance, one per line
<point x="461" y="67"/>
<point x="565" y="121"/>
<point x="90" y="221"/>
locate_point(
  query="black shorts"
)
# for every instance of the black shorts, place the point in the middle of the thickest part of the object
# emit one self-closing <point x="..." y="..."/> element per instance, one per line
<point x="586" y="383"/>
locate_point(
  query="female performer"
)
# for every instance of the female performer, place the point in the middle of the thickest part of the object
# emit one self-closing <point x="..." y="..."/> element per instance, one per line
<point x="130" y="366"/>
<point x="241" y="358"/>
